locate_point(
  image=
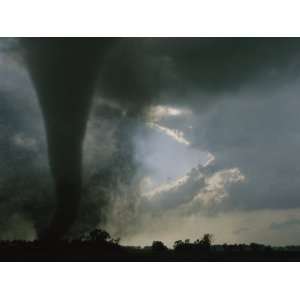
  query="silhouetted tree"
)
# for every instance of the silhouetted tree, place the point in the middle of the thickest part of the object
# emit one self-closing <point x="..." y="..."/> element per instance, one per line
<point x="207" y="239"/>
<point x="184" y="247"/>
<point x="178" y="244"/>
<point x="158" y="246"/>
<point x="205" y="242"/>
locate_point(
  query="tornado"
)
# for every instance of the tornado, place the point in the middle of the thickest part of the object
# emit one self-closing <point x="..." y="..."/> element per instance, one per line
<point x="64" y="71"/>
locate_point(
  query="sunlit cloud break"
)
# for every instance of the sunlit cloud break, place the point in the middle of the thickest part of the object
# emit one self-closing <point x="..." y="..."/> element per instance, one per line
<point x="216" y="186"/>
<point x="166" y="187"/>
<point x="177" y="135"/>
<point x="158" y="112"/>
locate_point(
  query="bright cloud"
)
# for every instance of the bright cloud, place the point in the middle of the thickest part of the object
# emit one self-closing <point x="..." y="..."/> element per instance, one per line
<point x="157" y="113"/>
<point x="216" y="186"/>
<point x="177" y="135"/>
<point x="164" y="188"/>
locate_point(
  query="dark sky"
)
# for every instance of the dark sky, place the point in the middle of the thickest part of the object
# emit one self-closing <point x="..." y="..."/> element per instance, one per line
<point x="185" y="136"/>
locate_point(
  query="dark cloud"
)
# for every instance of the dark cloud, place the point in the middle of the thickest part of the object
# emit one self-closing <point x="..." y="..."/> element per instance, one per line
<point x="221" y="64"/>
<point x="137" y="72"/>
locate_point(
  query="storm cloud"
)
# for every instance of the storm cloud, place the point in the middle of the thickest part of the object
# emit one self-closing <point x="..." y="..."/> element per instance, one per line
<point x="180" y="130"/>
